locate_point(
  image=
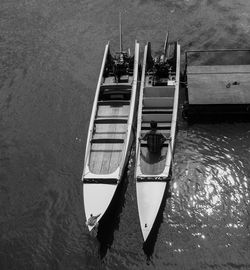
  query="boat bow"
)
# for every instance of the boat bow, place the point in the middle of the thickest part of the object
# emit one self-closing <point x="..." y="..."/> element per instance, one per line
<point x="97" y="198"/>
<point x="149" y="198"/>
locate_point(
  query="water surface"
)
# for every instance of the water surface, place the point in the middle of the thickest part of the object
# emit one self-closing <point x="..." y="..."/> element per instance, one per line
<point x="50" y="57"/>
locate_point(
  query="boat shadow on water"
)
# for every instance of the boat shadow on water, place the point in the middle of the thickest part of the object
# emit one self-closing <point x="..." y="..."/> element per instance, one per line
<point x="111" y="219"/>
<point x="149" y="245"/>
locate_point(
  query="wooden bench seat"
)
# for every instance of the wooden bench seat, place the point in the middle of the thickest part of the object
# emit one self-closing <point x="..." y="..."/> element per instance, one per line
<point x="157" y="110"/>
<point x="113" y="102"/>
<point x="107" y="140"/>
<point x="110" y="120"/>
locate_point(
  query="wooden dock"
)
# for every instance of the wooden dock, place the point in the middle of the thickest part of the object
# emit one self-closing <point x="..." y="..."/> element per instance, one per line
<point x="215" y="89"/>
<point x="219" y="84"/>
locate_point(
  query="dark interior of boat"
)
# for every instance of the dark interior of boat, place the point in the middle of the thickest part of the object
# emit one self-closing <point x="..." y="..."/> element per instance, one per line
<point x="115" y="93"/>
<point x="119" y="66"/>
<point x="162" y="67"/>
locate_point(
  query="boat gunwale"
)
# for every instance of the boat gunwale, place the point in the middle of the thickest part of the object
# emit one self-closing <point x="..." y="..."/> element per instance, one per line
<point x="94" y="108"/>
<point x="150" y="189"/>
<point x="129" y="87"/>
<point x="169" y="154"/>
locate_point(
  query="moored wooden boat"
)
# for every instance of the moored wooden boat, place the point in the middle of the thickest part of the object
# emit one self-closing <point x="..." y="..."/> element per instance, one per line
<point x="110" y="131"/>
<point x="158" y="102"/>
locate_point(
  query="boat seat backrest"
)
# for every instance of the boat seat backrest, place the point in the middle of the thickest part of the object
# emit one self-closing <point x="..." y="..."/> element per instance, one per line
<point x="158" y="101"/>
<point x="159" y="117"/>
<point x="159" y="91"/>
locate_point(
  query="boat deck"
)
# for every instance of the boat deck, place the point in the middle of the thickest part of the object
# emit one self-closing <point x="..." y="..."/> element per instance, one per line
<point x="110" y="129"/>
<point x="158" y="102"/>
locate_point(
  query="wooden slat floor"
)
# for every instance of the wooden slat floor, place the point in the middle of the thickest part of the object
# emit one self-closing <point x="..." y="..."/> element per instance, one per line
<point x="113" y="111"/>
<point x="106" y="157"/>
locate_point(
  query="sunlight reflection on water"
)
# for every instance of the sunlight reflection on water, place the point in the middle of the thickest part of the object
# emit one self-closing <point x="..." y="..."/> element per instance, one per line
<point x="208" y="211"/>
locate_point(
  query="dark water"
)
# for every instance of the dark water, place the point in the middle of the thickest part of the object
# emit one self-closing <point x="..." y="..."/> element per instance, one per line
<point x="50" y="57"/>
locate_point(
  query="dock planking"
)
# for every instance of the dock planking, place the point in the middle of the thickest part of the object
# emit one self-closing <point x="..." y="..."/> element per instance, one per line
<point x="225" y="84"/>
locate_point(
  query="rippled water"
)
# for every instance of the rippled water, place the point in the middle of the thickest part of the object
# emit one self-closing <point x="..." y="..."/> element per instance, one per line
<point x="50" y="57"/>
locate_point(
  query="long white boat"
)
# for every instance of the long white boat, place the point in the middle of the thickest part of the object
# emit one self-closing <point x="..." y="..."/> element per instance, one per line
<point x="110" y="131"/>
<point x="158" y="104"/>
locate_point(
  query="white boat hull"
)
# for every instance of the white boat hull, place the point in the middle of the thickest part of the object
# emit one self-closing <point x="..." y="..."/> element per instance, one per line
<point x="149" y="198"/>
<point x="159" y="103"/>
<point x="97" y="198"/>
<point x="109" y="138"/>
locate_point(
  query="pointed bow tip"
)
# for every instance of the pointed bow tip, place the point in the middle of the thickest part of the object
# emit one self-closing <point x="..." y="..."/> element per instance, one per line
<point x="145" y="234"/>
<point x="145" y="238"/>
<point x="93" y="221"/>
<point x="90" y="228"/>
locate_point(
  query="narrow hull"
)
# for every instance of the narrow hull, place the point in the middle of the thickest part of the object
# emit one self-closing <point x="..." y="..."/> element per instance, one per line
<point x="158" y="104"/>
<point x="110" y="132"/>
